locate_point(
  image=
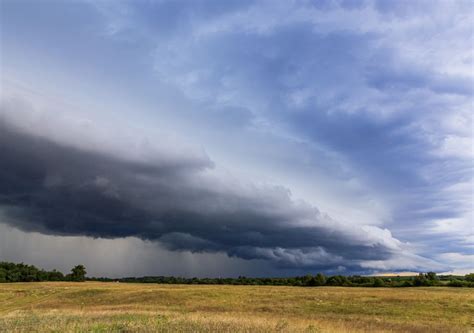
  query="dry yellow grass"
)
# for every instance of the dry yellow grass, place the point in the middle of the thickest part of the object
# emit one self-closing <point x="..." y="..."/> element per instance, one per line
<point x="119" y="307"/>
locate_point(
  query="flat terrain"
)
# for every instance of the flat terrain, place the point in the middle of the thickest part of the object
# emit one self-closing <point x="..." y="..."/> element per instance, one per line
<point x="120" y="307"/>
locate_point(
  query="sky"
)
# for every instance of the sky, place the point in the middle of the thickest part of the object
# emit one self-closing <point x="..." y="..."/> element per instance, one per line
<point x="226" y="138"/>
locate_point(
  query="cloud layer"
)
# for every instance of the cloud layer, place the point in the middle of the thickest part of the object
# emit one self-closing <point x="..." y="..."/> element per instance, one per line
<point x="199" y="126"/>
<point x="58" y="189"/>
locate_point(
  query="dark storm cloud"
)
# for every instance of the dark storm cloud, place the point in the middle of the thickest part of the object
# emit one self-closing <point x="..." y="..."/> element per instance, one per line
<point x="381" y="88"/>
<point x="63" y="190"/>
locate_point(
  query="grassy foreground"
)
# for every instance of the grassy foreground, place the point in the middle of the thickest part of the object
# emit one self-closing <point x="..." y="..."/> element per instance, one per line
<point x="120" y="307"/>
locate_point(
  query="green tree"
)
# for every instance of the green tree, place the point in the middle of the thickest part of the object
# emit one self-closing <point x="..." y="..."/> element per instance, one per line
<point x="422" y="280"/>
<point x="320" y="279"/>
<point x="378" y="282"/>
<point x="54" y="275"/>
<point x="338" y="280"/>
<point x="78" y="273"/>
<point x="469" y="277"/>
<point x="431" y="276"/>
<point x="308" y="280"/>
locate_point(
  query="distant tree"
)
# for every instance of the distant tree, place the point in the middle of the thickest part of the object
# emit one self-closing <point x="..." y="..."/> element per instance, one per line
<point x="422" y="280"/>
<point x="469" y="277"/>
<point x="406" y="283"/>
<point x="361" y="280"/>
<point x="419" y="280"/>
<point x="55" y="275"/>
<point x="338" y="280"/>
<point x="297" y="283"/>
<point x="431" y="276"/>
<point x="320" y="279"/>
<point x="78" y="274"/>
<point x="457" y="283"/>
<point x="307" y="280"/>
<point x="378" y="282"/>
<point x="311" y="282"/>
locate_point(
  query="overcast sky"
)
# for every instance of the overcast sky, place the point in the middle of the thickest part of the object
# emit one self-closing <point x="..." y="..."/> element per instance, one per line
<point x="226" y="138"/>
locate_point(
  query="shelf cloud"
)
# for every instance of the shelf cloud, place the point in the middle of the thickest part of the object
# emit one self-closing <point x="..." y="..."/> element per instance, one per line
<point x="59" y="189"/>
<point x="299" y="136"/>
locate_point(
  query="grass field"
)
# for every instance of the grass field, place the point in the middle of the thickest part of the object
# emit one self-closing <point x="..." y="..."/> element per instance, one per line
<point x="119" y="307"/>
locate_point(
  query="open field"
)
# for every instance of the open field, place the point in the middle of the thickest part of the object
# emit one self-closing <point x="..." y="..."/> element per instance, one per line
<point x="120" y="307"/>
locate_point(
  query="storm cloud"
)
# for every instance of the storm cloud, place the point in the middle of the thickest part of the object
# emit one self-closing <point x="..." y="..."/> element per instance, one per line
<point x="327" y="136"/>
<point x="59" y="189"/>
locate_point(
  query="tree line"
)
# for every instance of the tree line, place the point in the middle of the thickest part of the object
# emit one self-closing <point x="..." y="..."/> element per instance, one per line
<point x="11" y="272"/>
<point x="423" y="279"/>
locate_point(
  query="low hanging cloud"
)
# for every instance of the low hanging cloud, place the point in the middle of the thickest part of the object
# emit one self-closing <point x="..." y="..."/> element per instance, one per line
<point x="61" y="186"/>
